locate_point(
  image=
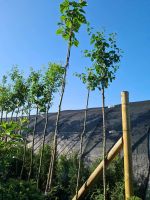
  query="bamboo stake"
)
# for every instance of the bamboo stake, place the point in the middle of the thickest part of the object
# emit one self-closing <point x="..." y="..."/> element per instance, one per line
<point x="99" y="170"/>
<point x="127" y="145"/>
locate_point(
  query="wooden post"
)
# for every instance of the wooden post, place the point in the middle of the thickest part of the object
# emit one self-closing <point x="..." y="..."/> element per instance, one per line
<point x="99" y="170"/>
<point x="127" y="145"/>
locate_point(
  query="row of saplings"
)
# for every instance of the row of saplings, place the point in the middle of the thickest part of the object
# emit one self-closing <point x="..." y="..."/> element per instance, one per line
<point x="18" y="172"/>
<point x="19" y="96"/>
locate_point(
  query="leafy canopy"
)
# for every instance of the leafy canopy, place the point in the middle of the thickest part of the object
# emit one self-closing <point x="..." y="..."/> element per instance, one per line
<point x="35" y="90"/>
<point x="52" y="80"/>
<point x="72" y="17"/>
<point x="105" y="57"/>
<point x="88" y="78"/>
<point x="19" y="88"/>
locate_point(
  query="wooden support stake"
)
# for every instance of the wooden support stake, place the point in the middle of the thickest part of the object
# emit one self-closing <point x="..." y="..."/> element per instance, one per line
<point x="98" y="171"/>
<point x="127" y="145"/>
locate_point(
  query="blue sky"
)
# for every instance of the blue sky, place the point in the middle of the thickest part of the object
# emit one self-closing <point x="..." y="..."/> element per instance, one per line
<point x="27" y="38"/>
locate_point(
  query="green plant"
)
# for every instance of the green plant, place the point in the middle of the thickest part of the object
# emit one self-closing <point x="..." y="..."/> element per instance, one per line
<point x="46" y="156"/>
<point x="22" y="190"/>
<point x="105" y="57"/>
<point x="35" y="95"/>
<point x="117" y="192"/>
<point x="134" y="198"/>
<point x="52" y="81"/>
<point x="86" y="79"/>
<point x="97" y="195"/>
<point x="65" y="176"/>
<point x="18" y="92"/>
<point x="115" y="181"/>
<point x="10" y="144"/>
<point x="72" y="17"/>
<point x="5" y="96"/>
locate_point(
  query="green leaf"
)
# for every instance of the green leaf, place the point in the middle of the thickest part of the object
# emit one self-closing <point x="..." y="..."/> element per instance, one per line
<point x="76" y="43"/>
<point x="59" y="31"/>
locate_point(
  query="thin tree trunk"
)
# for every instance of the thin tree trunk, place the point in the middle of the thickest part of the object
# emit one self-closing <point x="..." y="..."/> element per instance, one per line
<point x="6" y="121"/>
<point x="19" y="132"/>
<point x="53" y="156"/>
<point x="32" y="148"/>
<point x="6" y="116"/>
<point x="25" y="147"/>
<point x="104" y="143"/>
<point x="48" y="176"/>
<point x="16" y="118"/>
<point x="17" y="113"/>
<point x="1" y="120"/>
<point x="1" y="115"/>
<point x="43" y="144"/>
<point x="12" y="113"/>
<point x="21" y="117"/>
<point x="81" y="144"/>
